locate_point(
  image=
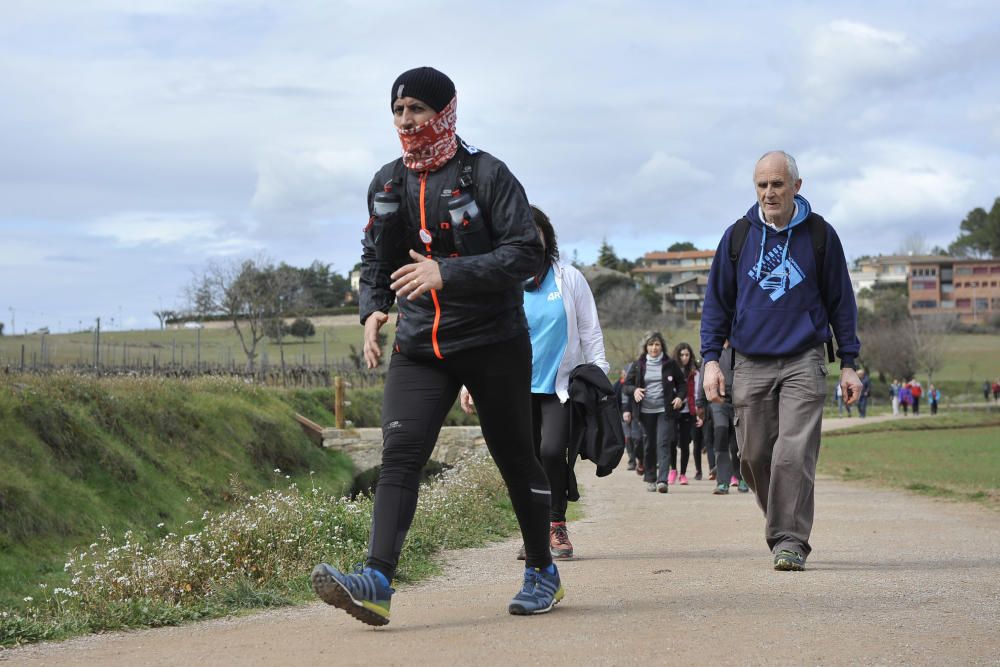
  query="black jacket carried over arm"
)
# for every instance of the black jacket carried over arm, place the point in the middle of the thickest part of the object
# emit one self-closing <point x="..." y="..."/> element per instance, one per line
<point x="595" y="423"/>
<point x="481" y="300"/>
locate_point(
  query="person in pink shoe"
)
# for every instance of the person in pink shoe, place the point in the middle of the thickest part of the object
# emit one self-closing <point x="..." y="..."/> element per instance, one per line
<point x="684" y="356"/>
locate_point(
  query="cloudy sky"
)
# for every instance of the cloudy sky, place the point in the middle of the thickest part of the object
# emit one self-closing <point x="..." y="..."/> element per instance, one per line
<point x="141" y="139"/>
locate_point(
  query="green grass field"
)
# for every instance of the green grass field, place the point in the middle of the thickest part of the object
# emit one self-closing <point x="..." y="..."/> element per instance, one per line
<point x="970" y="359"/>
<point x="954" y="456"/>
<point x="218" y="346"/>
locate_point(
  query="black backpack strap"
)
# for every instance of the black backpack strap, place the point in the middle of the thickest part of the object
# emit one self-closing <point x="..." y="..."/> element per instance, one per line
<point x="817" y="232"/>
<point x="466" y="166"/>
<point x="398" y="175"/>
<point x="816" y="227"/>
<point x="738" y="239"/>
<point x="741" y="228"/>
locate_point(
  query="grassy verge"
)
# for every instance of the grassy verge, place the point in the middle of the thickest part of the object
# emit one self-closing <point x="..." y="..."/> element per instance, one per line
<point x="82" y="454"/>
<point x="954" y="456"/>
<point x="258" y="555"/>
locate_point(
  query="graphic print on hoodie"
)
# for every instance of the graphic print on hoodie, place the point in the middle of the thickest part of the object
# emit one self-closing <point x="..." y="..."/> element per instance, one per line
<point x="779" y="273"/>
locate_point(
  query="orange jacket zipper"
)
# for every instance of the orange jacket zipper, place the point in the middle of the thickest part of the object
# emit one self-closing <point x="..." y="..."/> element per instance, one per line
<point x="427" y="246"/>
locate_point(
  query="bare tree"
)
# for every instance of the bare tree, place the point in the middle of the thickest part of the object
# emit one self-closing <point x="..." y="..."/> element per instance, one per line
<point x="163" y="316"/>
<point x="887" y="347"/>
<point x="624" y="307"/>
<point x="249" y="293"/>
<point x="902" y="348"/>
<point x="915" y="244"/>
<point x="930" y="338"/>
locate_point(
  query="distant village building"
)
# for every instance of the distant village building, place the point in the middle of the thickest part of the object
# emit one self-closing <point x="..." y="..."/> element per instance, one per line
<point x="680" y="277"/>
<point x="968" y="289"/>
<point x="869" y="272"/>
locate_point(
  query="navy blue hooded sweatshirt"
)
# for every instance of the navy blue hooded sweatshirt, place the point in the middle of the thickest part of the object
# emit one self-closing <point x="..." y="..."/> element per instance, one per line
<point x="771" y="302"/>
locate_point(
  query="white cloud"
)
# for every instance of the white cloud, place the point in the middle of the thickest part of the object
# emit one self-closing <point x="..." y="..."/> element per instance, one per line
<point x="139" y="228"/>
<point x="847" y="59"/>
<point x="21" y="254"/>
<point x="307" y="184"/>
<point x="890" y="191"/>
<point x="669" y="172"/>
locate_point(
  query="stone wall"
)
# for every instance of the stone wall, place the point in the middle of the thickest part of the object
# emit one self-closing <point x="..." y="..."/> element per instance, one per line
<point x="364" y="445"/>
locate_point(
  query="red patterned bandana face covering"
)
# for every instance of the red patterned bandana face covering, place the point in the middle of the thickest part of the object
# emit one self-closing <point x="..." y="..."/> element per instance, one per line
<point x="429" y="146"/>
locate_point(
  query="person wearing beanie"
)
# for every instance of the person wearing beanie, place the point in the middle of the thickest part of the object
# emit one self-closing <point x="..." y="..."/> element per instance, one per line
<point x="450" y="240"/>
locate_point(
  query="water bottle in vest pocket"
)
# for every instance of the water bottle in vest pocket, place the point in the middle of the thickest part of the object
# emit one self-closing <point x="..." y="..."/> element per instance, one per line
<point x="386" y="231"/>
<point x="471" y="235"/>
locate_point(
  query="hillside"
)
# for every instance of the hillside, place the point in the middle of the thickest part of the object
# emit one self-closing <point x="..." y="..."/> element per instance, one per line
<point x="145" y="454"/>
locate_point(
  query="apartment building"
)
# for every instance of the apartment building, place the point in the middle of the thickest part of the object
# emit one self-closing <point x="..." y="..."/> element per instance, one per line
<point x="664" y="268"/>
<point x="680" y="277"/>
<point x="968" y="289"/>
<point x="880" y="270"/>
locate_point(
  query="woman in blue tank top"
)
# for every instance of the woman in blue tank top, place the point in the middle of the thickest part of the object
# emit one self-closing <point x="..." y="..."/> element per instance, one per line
<point x="565" y="332"/>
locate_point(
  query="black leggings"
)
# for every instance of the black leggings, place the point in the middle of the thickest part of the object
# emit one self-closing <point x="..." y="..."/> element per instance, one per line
<point x="550" y="423"/>
<point x="682" y="442"/>
<point x="418" y="395"/>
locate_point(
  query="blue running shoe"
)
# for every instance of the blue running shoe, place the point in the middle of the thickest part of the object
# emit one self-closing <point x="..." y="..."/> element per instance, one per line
<point x="540" y="592"/>
<point x="362" y="594"/>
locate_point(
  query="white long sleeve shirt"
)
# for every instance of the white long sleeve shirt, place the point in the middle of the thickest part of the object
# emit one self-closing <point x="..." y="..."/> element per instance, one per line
<point x="585" y="340"/>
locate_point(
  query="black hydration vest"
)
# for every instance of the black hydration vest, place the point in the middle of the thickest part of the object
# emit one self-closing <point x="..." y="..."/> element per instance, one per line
<point x="471" y="235"/>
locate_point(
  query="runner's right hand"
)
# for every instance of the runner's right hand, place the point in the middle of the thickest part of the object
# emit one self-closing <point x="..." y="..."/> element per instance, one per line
<point x="372" y="351"/>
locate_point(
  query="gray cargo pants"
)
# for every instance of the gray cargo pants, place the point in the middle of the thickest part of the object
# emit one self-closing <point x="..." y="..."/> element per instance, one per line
<point x="779" y="410"/>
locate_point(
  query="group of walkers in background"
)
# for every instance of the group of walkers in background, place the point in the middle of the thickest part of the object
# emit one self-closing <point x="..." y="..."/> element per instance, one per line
<point x="907" y="395"/>
<point x="666" y="418"/>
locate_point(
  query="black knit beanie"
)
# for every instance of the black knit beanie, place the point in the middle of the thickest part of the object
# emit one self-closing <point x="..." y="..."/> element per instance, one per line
<point x="426" y="84"/>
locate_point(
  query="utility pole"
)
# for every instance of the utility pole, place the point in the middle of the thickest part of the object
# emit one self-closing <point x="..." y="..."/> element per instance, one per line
<point x="13" y="330"/>
<point x="97" y="347"/>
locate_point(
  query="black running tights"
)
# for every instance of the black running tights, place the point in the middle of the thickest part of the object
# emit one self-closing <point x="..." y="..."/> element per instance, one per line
<point x="682" y="442"/>
<point x="418" y="395"/>
<point x="550" y="424"/>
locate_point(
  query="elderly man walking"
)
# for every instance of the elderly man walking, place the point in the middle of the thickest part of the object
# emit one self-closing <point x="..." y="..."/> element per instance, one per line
<point x="779" y="282"/>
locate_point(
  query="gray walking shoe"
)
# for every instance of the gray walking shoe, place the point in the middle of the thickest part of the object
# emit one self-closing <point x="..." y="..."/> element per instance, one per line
<point x="789" y="561"/>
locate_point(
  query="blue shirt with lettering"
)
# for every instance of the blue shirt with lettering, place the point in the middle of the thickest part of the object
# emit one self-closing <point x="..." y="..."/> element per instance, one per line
<point x="547" y="325"/>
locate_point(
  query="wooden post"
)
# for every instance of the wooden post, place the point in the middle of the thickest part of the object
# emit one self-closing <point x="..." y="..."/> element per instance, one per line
<point x="338" y="400"/>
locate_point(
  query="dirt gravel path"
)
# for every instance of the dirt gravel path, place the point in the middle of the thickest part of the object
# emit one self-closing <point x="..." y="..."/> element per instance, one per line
<point x="682" y="578"/>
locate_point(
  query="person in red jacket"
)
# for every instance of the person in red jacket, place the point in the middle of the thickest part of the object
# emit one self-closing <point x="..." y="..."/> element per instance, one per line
<point x="686" y="418"/>
<point x="916" y="391"/>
